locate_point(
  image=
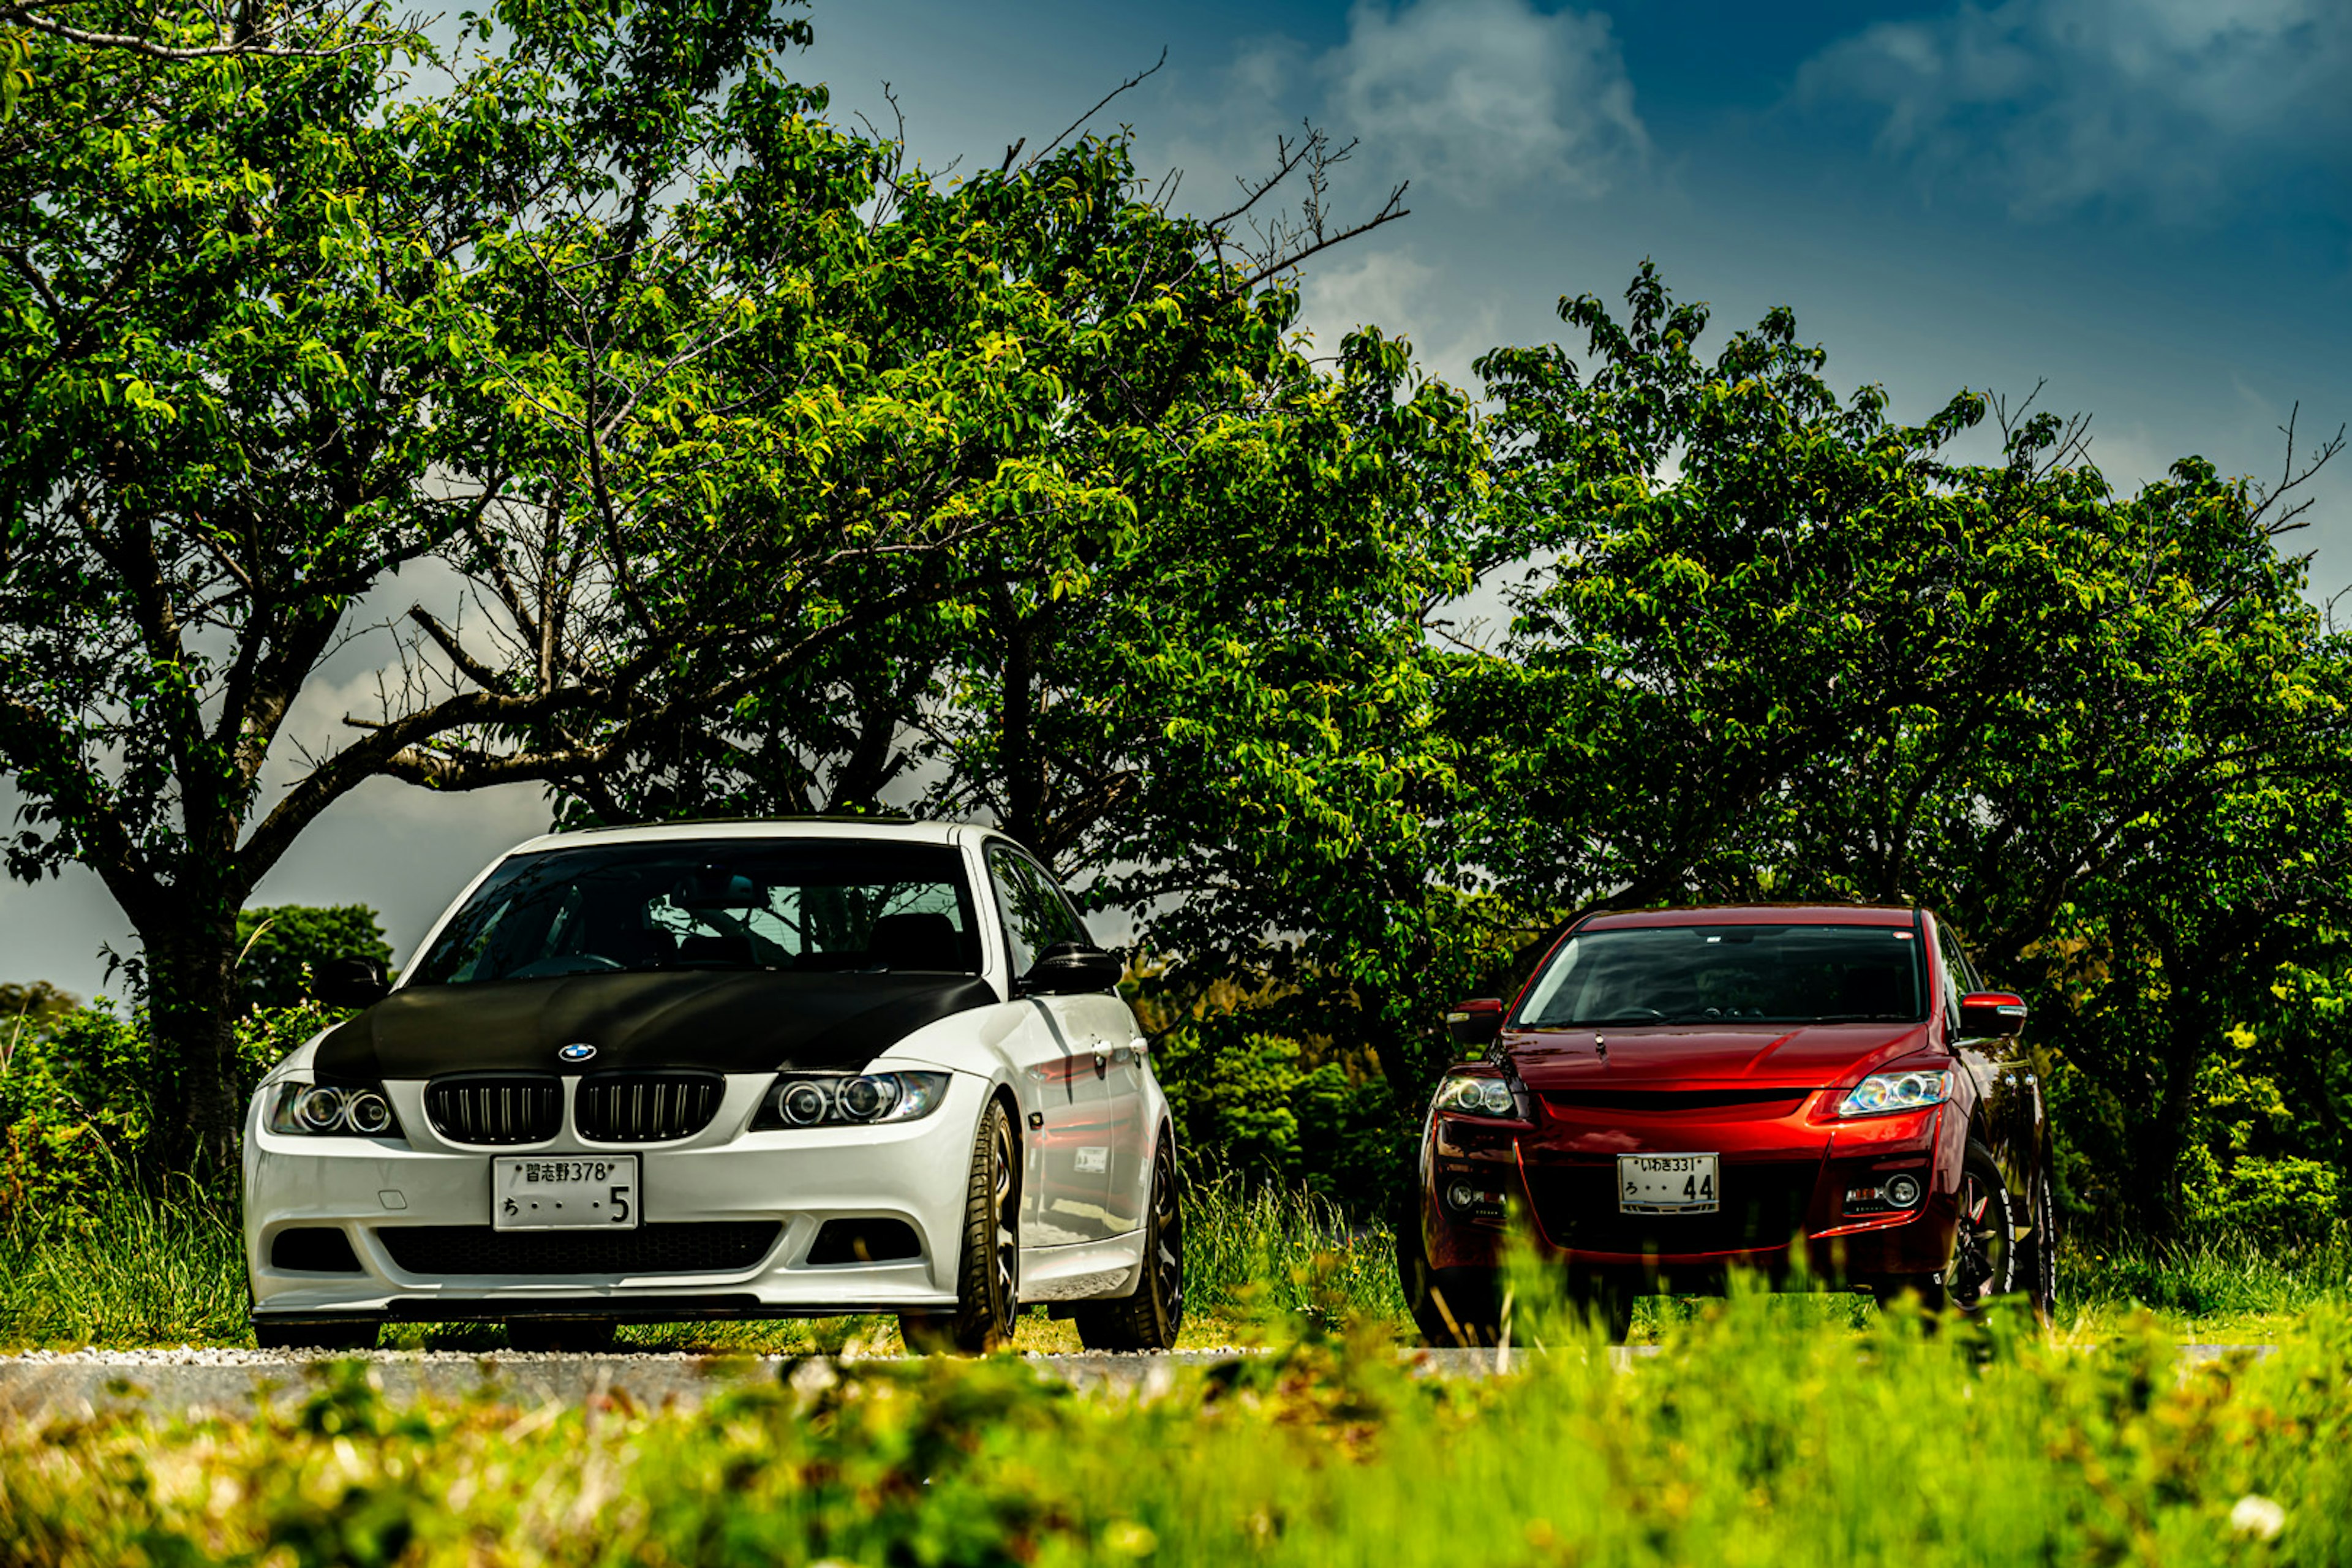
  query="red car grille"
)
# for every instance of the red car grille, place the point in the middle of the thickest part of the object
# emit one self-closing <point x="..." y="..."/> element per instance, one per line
<point x="496" y="1108"/>
<point x="1764" y="1102"/>
<point x="1763" y="1206"/>
<point x="645" y="1107"/>
<point x="716" y="1247"/>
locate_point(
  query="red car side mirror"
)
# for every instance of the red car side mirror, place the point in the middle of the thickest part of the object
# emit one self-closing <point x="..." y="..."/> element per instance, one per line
<point x="1474" y="1024"/>
<point x="1991" y="1013"/>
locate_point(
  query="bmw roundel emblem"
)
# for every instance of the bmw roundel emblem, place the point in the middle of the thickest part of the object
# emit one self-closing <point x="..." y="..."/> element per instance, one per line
<point x="579" y="1051"/>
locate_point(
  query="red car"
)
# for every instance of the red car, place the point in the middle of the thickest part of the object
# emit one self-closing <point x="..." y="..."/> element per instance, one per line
<point x="1679" y="1092"/>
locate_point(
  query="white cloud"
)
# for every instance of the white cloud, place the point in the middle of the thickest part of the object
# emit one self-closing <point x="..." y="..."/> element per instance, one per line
<point x="1407" y="297"/>
<point x="1483" y="97"/>
<point x="2162" y="105"/>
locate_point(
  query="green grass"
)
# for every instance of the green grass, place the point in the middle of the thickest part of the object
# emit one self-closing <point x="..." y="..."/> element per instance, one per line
<point x="1749" y="1441"/>
<point x="2224" y="1289"/>
<point x="139" y="1269"/>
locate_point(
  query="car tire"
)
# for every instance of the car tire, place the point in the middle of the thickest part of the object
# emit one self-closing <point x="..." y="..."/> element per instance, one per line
<point x="1985" y="1247"/>
<point x="1451" y="1307"/>
<point x="988" y="1276"/>
<point x="551" y="1336"/>
<point x="328" y="1336"/>
<point x="2038" y="1272"/>
<point x="1151" y="1319"/>
<point x="1604" y="1302"/>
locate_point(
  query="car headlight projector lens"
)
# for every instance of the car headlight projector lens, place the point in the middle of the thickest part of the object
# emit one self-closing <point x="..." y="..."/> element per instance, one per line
<point x="839" y="1099"/>
<point x="324" y="1111"/>
<point x="1886" y="1093"/>
<point x="1478" y="1097"/>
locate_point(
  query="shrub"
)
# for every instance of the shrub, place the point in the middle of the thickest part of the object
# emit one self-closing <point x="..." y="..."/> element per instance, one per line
<point x="74" y="1100"/>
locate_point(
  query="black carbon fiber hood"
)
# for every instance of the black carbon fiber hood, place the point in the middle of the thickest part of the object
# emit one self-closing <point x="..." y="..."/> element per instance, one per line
<point x="721" y="1020"/>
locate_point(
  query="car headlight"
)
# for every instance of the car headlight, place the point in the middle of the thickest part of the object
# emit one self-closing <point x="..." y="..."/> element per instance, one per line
<point x="837" y="1099"/>
<point x="331" y="1111"/>
<point x="1884" y="1093"/>
<point x="1477" y="1097"/>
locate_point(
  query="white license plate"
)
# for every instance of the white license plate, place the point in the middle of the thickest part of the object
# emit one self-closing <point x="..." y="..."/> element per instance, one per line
<point x="1666" y="1183"/>
<point x="564" y="1192"/>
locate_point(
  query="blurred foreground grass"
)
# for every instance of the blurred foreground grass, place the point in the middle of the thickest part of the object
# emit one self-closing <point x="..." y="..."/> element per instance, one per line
<point x="143" y="1270"/>
<point x="1749" y="1441"/>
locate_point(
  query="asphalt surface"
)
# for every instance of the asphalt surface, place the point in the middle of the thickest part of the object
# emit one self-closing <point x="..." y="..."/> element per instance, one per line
<point x="194" y="1382"/>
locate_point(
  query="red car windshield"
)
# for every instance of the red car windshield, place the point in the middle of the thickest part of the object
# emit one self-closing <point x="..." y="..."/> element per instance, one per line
<point x="1730" y="973"/>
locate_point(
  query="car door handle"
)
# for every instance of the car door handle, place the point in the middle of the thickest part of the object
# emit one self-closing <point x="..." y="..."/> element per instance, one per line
<point x="1102" y="1061"/>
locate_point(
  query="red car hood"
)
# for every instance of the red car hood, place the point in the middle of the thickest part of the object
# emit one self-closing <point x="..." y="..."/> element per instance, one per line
<point x="1762" y="1056"/>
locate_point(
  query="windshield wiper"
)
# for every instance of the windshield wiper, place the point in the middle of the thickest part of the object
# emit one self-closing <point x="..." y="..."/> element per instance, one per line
<point x="1862" y="1019"/>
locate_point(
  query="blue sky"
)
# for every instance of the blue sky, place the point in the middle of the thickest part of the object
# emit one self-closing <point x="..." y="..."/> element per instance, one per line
<point x="2146" y="203"/>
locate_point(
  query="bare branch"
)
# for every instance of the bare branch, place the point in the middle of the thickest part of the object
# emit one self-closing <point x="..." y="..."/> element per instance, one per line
<point x="1075" y="124"/>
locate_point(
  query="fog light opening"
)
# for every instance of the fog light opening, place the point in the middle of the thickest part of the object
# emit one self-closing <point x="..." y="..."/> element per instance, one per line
<point x="1903" y="1190"/>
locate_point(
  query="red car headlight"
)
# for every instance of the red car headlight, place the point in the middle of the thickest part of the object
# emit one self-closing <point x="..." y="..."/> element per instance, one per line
<point x="1477" y="1097"/>
<point x="1886" y="1093"/>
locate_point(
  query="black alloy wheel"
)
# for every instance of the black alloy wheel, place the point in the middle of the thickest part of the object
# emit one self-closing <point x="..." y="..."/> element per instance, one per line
<point x="1985" y="1244"/>
<point x="988" y="1277"/>
<point x="1151" y="1319"/>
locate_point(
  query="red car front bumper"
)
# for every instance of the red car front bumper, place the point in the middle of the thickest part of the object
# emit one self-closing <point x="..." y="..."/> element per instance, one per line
<point x="1792" y="1175"/>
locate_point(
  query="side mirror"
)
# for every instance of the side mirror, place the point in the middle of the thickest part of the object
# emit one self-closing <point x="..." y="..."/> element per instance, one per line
<point x="1984" y="1012"/>
<point x="1474" y="1024"/>
<point x="1072" y="968"/>
<point x="350" y="983"/>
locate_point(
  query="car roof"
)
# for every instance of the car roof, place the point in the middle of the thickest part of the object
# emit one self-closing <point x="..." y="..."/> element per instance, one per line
<point x="893" y="830"/>
<point x="1755" y="914"/>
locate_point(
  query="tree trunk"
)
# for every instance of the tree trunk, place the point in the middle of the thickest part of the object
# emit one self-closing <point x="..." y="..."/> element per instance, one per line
<point x="2162" y="1134"/>
<point x="196" y="1104"/>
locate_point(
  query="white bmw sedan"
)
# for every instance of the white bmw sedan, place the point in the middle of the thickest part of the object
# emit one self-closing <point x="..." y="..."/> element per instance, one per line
<point x="755" y="1070"/>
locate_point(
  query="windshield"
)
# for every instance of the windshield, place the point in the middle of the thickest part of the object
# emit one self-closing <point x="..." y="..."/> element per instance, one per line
<point x="722" y="903"/>
<point x="1734" y="974"/>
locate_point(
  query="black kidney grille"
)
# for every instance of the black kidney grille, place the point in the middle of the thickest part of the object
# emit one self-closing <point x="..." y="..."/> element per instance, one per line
<point x="645" y="1107"/>
<point x="715" y="1247"/>
<point x="496" y="1108"/>
<point x="1764" y="1206"/>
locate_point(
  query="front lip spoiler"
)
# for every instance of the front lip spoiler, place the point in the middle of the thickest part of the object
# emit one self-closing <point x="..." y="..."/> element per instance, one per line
<point x="629" y="1309"/>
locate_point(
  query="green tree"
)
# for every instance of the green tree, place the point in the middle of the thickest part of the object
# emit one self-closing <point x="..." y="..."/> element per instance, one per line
<point x="280" y="946"/>
<point x="1778" y="645"/>
<point x="705" y="404"/>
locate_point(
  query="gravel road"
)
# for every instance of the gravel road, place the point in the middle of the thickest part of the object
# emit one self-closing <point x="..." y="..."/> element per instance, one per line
<point x="195" y="1380"/>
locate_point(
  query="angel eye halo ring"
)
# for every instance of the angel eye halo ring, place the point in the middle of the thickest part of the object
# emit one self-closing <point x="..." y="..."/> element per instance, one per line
<point x="798" y="1100"/>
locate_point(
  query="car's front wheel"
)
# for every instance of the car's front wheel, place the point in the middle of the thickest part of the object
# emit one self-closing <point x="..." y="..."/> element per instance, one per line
<point x="1985" y="1244"/>
<point x="1150" y="1318"/>
<point x="987" y="1278"/>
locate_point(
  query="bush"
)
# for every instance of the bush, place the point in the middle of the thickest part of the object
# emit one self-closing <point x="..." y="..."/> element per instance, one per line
<point x="74" y="1101"/>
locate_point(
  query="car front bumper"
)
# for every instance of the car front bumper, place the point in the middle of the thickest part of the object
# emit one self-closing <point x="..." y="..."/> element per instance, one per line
<point x="728" y="1219"/>
<point x="1784" y="1202"/>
